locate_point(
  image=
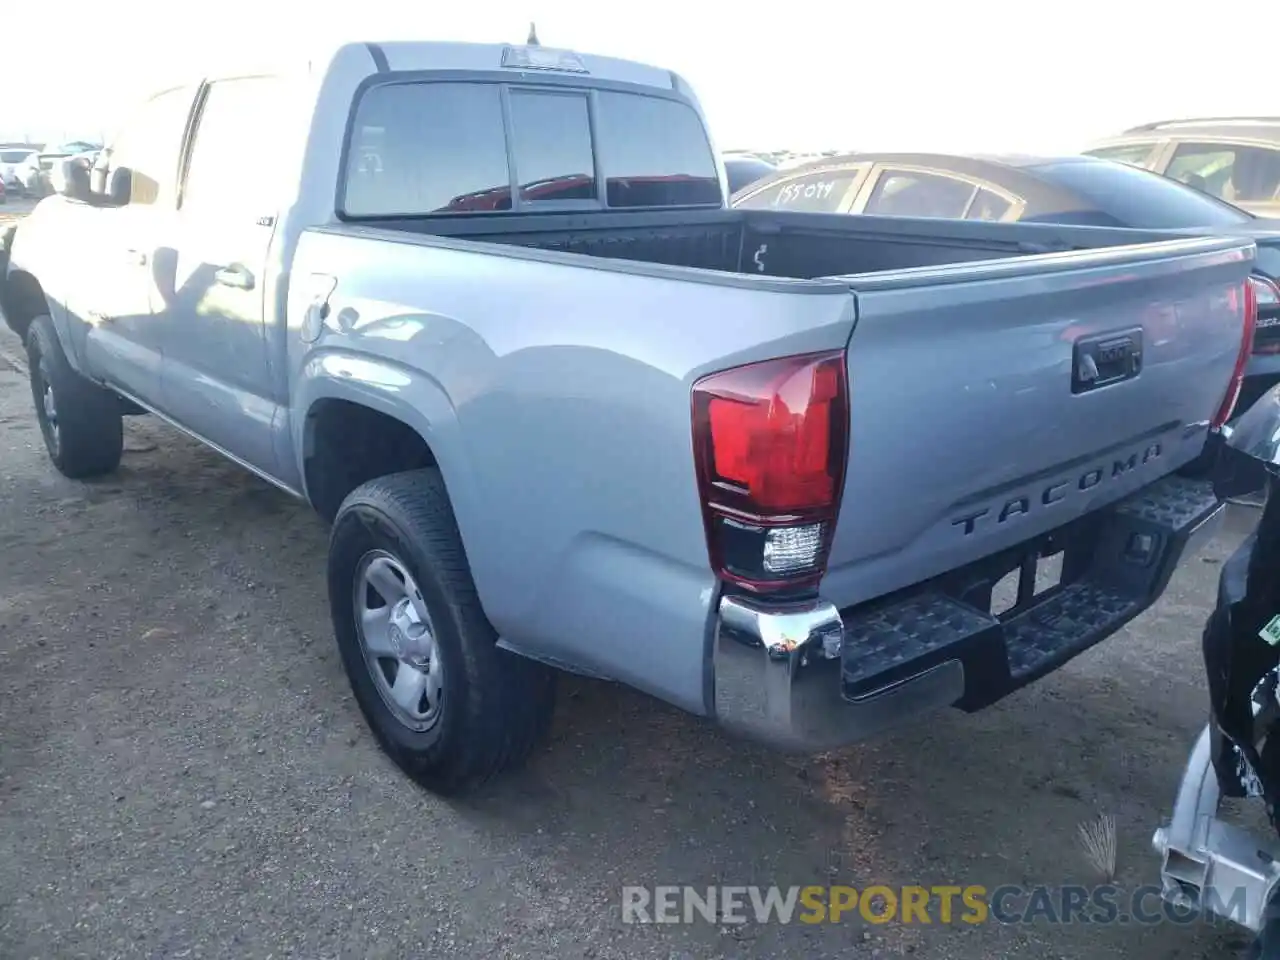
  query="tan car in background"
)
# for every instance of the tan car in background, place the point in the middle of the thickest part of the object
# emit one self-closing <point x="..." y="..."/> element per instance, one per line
<point x="1236" y="159"/>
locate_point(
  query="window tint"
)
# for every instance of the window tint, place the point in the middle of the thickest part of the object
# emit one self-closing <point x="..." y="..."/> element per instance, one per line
<point x="987" y="206"/>
<point x="421" y="148"/>
<point x="1231" y="173"/>
<point x="818" y="192"/>
<point x="425" y="148"/>
<point x="1138" y="198"/>
<point x="1133" y="153"/>
<point x="151" y="142"/>
<point x="236" y="161"/>
<point x="902" y="193"/>
<point x="654" y="153"/>
<point x="14" y="156"/>
<point x="551" y="141"/>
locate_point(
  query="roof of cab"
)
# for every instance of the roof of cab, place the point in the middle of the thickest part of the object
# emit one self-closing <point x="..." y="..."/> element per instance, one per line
<point x="408" y="55"/>
<point x="431" y="55"/>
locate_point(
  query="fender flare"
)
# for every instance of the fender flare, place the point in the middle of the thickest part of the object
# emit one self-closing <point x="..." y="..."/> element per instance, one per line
<point x="414" y="399"/>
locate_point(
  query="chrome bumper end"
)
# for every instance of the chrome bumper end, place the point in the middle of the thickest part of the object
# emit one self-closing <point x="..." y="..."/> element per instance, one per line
<point x="777" y="679"/>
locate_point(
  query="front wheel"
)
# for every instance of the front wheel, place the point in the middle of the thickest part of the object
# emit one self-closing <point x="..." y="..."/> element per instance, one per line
<point x="445" y="703"/>
<point x="79" y="420"/>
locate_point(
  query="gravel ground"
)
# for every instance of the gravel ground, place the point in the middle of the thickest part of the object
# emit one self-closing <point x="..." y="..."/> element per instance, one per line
<point x="183" y="772"/>
<point x="15" y="209"/>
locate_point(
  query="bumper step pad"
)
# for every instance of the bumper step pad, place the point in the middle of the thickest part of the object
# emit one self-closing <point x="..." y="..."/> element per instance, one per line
<point x="1138" y="544"/>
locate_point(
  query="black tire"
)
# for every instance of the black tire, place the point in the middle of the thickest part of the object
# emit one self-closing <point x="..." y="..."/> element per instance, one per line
<point x="495" y="705"/>
<point x="1266" y="946"/>
<point x="85" y="437"/>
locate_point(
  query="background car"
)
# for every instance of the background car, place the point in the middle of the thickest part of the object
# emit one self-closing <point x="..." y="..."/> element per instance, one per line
<point x="35" y="170"/>
<point x="1236" y="159"/>
<point x="1078" y="190"/>
<point x="11" y="158"/>
<point x="743" y="169"/>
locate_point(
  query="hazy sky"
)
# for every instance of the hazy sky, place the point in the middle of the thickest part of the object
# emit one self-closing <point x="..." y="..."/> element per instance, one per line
<point x="976" y="75"/>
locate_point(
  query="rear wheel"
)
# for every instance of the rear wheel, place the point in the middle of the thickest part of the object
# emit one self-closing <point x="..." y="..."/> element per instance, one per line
<point x="448" y="706"/>
<point x="80" y="421"/>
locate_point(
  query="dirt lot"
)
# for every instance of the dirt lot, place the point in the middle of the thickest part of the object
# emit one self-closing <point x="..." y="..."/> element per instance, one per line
<point x="15" y="209"/>
<point x="183" y="772"/>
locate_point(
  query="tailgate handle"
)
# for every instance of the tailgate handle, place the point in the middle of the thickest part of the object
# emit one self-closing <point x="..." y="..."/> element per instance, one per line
<point x="1106" y="358"/>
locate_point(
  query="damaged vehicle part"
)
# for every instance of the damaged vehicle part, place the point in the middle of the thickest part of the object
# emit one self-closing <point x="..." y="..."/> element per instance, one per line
<point x="1208" y="864"/>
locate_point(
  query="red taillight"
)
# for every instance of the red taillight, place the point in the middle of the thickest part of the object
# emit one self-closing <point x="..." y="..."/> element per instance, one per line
<point x="1249" y="301"/>
<point x="770" y="442"/>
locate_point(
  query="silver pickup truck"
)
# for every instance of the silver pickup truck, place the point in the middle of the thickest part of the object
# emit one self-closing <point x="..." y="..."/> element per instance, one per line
<point x="484" y="307"/>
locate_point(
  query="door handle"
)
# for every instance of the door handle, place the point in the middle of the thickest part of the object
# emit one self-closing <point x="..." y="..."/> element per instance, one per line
<point x="135" y="258"/>
<point x="237" y="275"/>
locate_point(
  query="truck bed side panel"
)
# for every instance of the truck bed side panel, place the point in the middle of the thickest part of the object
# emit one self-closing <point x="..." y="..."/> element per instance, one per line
<point x="565" y="437"/>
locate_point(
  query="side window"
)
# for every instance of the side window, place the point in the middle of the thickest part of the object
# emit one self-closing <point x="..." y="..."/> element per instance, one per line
<point x="909" y="193"/>
<point x="987" y="206"/>
<point x="1236" y="174"/>
<point x="1134" y="154"/>
<point x="820" y="192"/>
<point x="420" y="148"/>
<point x="654" y="153"/>
<point x="150" y="144"/>
<point x="235" y="162"/>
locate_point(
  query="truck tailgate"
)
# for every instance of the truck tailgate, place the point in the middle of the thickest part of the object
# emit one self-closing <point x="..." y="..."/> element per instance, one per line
<point x="994" y="402"/>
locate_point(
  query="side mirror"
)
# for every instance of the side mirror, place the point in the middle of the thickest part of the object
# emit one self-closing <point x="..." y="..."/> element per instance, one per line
<point x="119" y="186"/>
<point x="70" y="178"/>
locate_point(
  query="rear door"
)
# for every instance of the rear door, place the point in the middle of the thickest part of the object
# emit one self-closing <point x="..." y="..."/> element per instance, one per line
<point x="975" y="422"/>
<point x="219" y="381"/>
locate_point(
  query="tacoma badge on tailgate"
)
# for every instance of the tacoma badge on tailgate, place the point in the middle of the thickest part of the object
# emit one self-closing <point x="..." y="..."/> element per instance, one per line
<point x="1045" y="495"/>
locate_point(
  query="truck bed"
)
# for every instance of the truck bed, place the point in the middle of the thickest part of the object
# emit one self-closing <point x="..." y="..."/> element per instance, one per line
<point x="793" y="245"/>
<point x="974" y="445"/>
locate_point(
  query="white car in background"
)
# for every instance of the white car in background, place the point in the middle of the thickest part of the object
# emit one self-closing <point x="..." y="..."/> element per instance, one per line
<point x="10" y="160"/>
<point x="35" y="170"/>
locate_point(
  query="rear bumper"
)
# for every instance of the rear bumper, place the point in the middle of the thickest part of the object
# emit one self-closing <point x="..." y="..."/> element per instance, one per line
<point x="777" y="682"/>
<point x="808" y="677"/>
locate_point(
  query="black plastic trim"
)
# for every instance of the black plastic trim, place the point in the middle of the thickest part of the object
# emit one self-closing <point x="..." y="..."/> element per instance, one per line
<point x="1104" y="585"/>
<point x="379" y="57"/>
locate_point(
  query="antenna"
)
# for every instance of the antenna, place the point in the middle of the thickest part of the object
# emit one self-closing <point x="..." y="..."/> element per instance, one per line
<point x="533" y="36"/>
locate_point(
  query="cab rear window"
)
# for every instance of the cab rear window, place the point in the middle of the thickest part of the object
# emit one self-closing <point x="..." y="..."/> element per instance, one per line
<point x="432" y="148"/>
